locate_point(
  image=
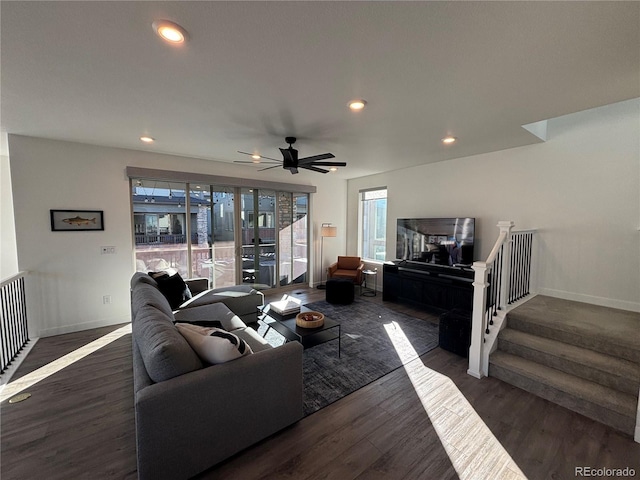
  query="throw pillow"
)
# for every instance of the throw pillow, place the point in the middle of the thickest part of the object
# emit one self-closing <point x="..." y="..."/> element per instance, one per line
<point x="201" y="329"/>
<point x="172" y="286"/>
<point x="214" y="345"/>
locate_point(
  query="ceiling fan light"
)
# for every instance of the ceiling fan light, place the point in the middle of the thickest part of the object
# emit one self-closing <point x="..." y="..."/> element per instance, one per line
<point x="170" y="31"/>
<point x="449" y="140"/>
<point x="357" y="105"/>
<point x="147" y="139"/>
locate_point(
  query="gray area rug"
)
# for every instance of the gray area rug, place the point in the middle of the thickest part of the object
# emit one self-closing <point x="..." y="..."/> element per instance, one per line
<point x="367" y="352"/>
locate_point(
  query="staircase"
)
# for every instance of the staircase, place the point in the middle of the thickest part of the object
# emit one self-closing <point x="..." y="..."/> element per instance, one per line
<point x="581" y="356"/>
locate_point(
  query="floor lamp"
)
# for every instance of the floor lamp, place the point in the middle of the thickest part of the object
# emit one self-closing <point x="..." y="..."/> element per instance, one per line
<point x="325" y="231"/>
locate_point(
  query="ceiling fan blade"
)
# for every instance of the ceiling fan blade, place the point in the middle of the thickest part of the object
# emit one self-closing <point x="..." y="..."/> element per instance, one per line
<point x="314" y="169"/>
<point x="322" y="156"/>
<point x="261" y="156"/>
<point x="258" y="162"/>
<point x="331" y="164"/>
<point x="269" y="168"/>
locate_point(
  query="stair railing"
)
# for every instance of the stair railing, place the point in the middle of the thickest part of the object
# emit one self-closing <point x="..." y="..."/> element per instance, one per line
<point x="14" y="334"/>
<point x="499" y="282"/>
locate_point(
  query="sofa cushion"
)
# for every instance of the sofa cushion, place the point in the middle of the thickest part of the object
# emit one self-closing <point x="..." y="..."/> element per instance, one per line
<point x="214" y="312"/>
<point x="348" y="274"/>
<point x="253" y="338"/>
<point x="140" y="277"/>
<point x="240" y="298"/>
<point x="165" y="353"/>
<point x="172" y="286"/>
<point x="146" y="294"/>
<point x="214" y="345"/>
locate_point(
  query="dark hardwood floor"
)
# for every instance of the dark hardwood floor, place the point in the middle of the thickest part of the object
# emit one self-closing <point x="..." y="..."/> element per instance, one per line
<point x="79" y="424"/>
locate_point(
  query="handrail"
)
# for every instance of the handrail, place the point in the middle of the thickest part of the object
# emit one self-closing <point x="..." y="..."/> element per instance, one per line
<point x="12" y="278"/>
<point x="503" y="279"/>
<point x="496" y="248"/>
<point x="14" y="333"/>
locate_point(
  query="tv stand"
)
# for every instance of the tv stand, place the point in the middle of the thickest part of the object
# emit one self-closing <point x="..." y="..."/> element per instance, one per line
<point x="427" y="285"/>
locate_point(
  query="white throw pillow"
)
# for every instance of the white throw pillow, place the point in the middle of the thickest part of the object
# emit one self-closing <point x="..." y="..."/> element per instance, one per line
<point x="214" y="345"/>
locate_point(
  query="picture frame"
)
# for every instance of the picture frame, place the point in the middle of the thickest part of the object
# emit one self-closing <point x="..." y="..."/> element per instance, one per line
<point x="76" y="220"/>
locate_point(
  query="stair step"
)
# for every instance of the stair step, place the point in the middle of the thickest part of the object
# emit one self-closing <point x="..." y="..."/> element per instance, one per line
<point x="603" y="329"/>
<point x="588" y="398"/>
<point x="607" y="370"/>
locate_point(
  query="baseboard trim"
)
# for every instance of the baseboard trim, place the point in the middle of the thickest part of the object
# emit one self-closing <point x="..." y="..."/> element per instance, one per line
<point x="78" y="327"/>
<point x="592" y="299"/>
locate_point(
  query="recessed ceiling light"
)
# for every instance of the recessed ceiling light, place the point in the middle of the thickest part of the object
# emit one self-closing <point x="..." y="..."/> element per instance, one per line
<point x="169" y="31"/>
<point x="146" y="139"/>
<point x="357" y="105"/>
<point x="256" y="158"/>
<point x="333" y="169"/>
<point x="449" y="140"/>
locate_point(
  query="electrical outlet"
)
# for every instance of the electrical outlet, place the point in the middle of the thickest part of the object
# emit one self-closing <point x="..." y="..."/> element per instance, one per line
<point x="106" y="299"/>
<point x="107" y="250"/>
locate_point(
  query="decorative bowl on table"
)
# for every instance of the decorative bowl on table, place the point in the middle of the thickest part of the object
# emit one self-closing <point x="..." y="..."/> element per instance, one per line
<point x="310" y="319"/>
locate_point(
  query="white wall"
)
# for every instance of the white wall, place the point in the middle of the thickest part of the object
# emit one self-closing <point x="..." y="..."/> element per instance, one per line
<point x="8" y="249"/>
<point x="580" y="189"/>
<point x="69" y="275"/>
<point x="330" y="207"/>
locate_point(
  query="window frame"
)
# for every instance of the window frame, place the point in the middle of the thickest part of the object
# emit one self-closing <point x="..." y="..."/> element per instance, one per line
<point x="362" y="218"/>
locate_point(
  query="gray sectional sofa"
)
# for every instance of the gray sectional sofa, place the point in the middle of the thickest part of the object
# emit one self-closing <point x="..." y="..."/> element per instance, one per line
<point x="191" y="415"/>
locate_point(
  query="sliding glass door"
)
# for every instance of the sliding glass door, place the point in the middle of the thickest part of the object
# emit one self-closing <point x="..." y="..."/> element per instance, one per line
<point x="224" y="264"/>
<point x="259" y="245"/>
<point x="159" y="225"/>
<point x="292" y="236"/>
<point x="228" y="235"/>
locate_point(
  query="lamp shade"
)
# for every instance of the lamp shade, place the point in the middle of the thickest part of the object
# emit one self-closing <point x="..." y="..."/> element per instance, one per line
<point x="328" y="231"/>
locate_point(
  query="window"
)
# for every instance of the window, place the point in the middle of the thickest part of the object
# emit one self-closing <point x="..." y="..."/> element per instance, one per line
<point x="373" y="224"/>
<point x="191" y="227"/>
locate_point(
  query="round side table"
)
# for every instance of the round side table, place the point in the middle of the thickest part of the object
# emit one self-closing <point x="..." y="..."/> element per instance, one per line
<point x="365" y="289"/>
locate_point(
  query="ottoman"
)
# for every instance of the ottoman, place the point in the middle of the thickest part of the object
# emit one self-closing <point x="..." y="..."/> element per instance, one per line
<point x="455" y="332"/>
<point x="339" y="290"/>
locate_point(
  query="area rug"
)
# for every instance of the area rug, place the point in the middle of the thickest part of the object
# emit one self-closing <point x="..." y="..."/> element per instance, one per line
<point x="367" y="352"/>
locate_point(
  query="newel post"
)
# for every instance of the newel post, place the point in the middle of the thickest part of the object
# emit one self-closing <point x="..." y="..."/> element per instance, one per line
<point x="480" y="285"/>
<point x="506" y="227"/>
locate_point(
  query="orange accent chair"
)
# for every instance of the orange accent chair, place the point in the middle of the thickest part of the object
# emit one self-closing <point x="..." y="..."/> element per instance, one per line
<point x="347" y="267"/>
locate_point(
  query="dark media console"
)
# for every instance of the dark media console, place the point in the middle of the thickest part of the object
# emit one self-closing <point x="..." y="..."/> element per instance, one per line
<point x="436" y="287"/>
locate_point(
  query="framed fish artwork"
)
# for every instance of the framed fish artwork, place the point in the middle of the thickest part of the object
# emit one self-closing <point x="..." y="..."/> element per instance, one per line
<point x="76" y="220"/>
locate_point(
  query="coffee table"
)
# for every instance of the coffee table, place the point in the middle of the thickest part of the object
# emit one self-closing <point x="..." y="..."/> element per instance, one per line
<point x="286" y="326"/>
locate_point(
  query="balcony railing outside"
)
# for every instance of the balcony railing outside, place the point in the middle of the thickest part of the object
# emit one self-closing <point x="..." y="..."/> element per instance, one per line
<point x="163" y="238"/>
<point x="14" y="333"/>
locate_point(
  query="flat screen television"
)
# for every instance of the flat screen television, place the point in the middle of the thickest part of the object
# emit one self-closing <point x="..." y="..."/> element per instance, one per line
<point x="442" y="241"/>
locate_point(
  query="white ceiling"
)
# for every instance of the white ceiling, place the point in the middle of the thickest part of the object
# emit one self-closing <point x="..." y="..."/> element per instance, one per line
<point x="255" y="72"/>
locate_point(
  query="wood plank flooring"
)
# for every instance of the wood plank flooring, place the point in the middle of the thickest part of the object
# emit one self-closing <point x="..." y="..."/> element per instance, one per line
<point x="79" y="424"/>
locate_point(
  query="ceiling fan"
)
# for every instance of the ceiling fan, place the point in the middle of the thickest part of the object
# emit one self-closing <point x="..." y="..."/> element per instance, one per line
<point x="291" y="162"/>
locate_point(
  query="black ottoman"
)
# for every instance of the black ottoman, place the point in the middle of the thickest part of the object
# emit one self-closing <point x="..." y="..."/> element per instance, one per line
<point x="455" y="331"/>
<point x="339" y="290"/>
